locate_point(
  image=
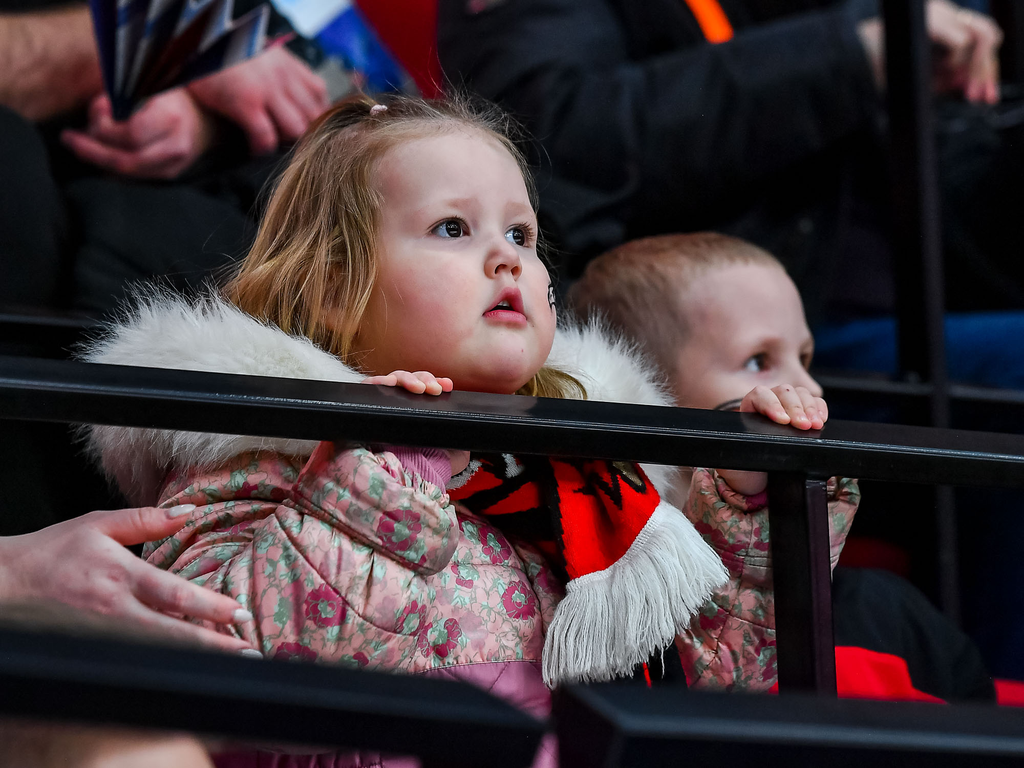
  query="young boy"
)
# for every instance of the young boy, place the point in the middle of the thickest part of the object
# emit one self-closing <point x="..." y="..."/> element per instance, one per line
<point x="724" y="322"/>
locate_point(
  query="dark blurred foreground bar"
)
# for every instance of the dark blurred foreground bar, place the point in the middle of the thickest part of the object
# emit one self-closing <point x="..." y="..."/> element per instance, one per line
<point x="102" y="681"/>
<point x="58" y="390"/>
<point x="607" y="725"/>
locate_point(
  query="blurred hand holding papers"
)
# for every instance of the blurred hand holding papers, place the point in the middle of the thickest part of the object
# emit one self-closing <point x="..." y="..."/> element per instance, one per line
<point x="148" y="46"/>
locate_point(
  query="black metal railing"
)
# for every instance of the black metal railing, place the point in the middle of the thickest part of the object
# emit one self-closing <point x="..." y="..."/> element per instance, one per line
<point x="798" y="462"/>
<point x="57" y="390"/>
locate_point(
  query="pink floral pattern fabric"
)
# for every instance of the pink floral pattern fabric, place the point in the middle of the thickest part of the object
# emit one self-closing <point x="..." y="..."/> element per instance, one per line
<point x="731" y="643"/>
<point x="349" y="558"/>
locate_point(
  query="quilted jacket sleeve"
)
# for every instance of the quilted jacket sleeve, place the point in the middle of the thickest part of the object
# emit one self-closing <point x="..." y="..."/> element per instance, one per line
<point x="731" y="643"/>
<point x="332" y="556"/>
<point x="373" y="499"/>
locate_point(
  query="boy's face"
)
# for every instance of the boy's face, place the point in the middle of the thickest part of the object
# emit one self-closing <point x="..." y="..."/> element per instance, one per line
<point x="746" y="328"/>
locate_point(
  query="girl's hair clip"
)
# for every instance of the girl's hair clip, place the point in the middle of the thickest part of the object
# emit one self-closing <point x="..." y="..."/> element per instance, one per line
<point x="376" y="109"/>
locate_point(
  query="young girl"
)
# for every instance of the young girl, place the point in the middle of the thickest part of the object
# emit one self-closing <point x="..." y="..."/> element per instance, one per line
<point x="400" y="248"/>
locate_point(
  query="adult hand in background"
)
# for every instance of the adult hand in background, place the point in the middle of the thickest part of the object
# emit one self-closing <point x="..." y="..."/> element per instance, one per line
<point x="83" y="563"/>
<point x="967" y="58"/>
<point x="273" y="97"/>
<point x="969" y="41"/>
<point x="160" y="141"/>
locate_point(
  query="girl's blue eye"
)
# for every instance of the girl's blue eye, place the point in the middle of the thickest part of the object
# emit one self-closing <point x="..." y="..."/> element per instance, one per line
<point x="449" y="228"/>
<point x="516" y="236"/>
<point x="756" y="364"/>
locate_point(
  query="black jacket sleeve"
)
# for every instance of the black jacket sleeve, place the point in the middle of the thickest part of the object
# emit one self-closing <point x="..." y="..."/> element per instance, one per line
<point x="669" y="139"/>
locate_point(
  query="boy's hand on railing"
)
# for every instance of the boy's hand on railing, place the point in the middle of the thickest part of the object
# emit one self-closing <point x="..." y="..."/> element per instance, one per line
<point x="83" y="563"/>
<point x="795" y="406"/>
<point x="419" y="383"/>
<point x="784" y="404"/>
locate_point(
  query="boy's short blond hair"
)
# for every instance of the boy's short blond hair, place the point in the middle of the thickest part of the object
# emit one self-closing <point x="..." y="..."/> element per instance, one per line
<point x="639" y="288"/>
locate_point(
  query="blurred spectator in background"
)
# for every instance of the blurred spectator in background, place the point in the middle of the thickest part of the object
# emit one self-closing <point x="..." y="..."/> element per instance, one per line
<point x="76" y="223"/>
<point x="760" y="118"/>
<point x="87" y="204"/>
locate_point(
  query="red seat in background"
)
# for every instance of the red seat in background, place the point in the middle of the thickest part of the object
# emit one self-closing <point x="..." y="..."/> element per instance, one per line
<point x="408" y="28"/>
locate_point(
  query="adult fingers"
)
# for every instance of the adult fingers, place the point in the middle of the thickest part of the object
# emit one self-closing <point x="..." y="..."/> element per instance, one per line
<point x="165" y="158"/>
<point x="173" y="594"/>
<point x="179" y="629"/>
<point x="317" y="88"/>
<point x="288" y="117"/>
<point x="983" y="66"/>
<point x="103" y="126"/>
<point x="260" y="128"/>
<point x="150" y="162"/>
<point x="92" y="151"/>
<point x="311" y="100"/>
<point x="945" y="27"/>
<point x="299" y="77"/>
<point x="139" y="524"/>
<point x="153" y="122"/>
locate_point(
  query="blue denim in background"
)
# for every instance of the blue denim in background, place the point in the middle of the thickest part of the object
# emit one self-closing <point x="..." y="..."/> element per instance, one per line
<point x="983" y="348"/>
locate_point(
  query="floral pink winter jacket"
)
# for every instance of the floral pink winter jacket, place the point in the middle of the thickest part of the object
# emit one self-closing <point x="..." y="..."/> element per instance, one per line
<point x="731" y="644"/>
<point x="348" y="557"/>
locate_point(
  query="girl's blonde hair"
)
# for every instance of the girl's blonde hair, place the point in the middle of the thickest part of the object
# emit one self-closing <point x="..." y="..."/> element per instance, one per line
<point x="314" y="264"/>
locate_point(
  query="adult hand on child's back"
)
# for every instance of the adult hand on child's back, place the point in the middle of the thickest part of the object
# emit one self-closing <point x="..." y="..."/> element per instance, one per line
<point x="83" y="563"/>
<point x="273" y="97"/>
<point x="160" y="141"/>
<point x="784" y="404"/>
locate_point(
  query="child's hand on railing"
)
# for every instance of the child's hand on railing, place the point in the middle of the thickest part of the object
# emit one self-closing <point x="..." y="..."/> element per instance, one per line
<point x="784" y="404"/>
<point x="419" y="383"/>
<point x="423" y="383"/>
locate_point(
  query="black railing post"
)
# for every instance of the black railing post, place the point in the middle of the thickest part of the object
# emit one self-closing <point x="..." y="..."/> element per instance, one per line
<point x="916" y="206"/>
<point x="1009" y="14"/>
<point x="802" y="578"/>
<point x="917" y="240"/>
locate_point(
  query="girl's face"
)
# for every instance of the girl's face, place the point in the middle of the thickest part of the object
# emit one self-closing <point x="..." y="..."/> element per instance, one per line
<point x="461" y="291"/>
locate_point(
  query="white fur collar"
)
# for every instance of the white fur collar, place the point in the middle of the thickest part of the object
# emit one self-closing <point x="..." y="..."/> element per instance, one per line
<point x="211" y="335"/>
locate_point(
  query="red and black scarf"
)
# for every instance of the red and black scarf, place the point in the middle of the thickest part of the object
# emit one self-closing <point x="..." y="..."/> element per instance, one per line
<point x="636" y="570"/>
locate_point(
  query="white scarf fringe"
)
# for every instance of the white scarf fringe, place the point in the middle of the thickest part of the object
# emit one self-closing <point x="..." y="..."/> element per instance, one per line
<point x="612" y="620"/>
